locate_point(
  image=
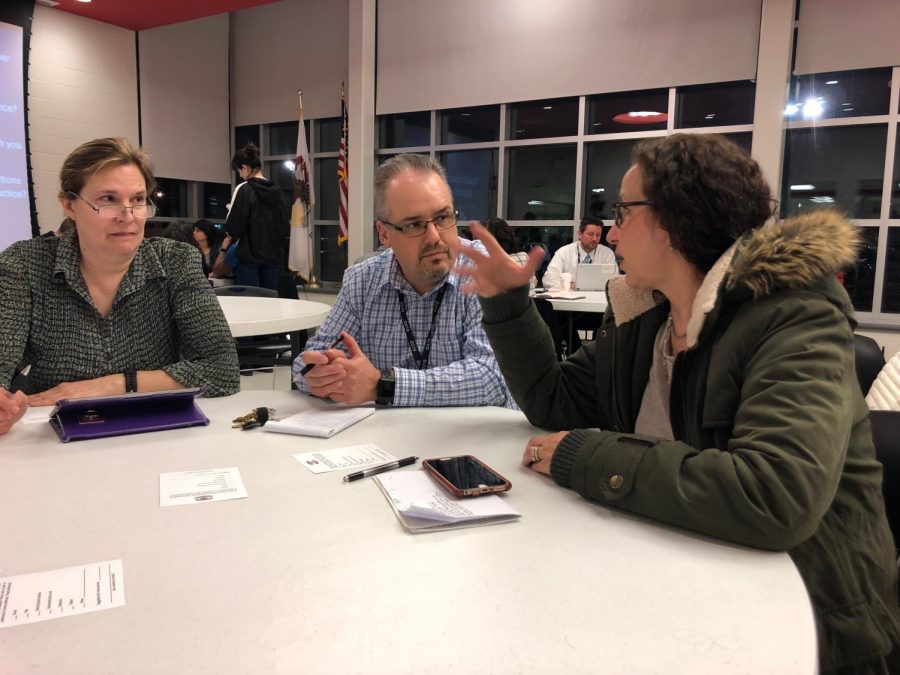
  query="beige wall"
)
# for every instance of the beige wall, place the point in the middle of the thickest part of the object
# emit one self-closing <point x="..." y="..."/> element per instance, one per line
<point x="184" y="99"/>
<point x="285" y="46"/>
<point x="82" y="85"/>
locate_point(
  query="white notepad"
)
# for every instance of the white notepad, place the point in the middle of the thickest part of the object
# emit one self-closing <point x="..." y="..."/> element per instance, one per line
<point x="323" y="423"/>
<point x="422" y="505"/>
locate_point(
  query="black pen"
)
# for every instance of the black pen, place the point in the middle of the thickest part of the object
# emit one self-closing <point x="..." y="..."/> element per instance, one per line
<point x="381" y="468"/>
<point x="309" y="366"/>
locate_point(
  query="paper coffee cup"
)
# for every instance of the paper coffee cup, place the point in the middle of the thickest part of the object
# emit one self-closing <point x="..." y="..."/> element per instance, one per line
<point x="565" y="281"/>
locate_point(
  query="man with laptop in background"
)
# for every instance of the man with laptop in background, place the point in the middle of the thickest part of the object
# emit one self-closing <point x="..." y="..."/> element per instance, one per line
<point x="586" y="251"/>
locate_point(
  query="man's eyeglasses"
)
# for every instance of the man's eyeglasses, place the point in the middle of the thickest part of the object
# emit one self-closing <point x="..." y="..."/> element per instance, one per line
<point x="111" y="211"/>
<point x="417" y="228"/>
<point x="620" y="209"/>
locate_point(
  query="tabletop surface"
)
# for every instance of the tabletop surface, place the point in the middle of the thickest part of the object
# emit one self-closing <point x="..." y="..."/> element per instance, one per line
<point x="310" y="574"/>
<point x="261" y="316"/>
<point x="593" y="301"/>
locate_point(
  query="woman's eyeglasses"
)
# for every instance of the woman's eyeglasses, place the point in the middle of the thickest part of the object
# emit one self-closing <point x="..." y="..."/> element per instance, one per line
<point x="111" y="211"/>
<point x="620" y="209"/>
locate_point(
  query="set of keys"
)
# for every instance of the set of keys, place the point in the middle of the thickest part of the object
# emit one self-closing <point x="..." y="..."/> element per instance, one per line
<point x="256" y="418"/>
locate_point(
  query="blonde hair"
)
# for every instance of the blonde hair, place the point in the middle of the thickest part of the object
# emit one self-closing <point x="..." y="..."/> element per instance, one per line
<point x="90" y="158"/>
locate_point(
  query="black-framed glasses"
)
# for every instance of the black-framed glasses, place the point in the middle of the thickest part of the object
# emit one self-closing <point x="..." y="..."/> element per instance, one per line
<point x="111" y="211"/>
<point x="620" y="209"/>
<point x="417" y="228"/>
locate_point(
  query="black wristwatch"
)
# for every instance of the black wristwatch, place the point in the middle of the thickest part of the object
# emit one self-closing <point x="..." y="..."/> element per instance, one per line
<point x="384" y="389"/>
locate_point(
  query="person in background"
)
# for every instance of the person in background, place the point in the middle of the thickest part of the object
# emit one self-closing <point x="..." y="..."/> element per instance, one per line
<point x="207" y="238"/>
<point x="884" y="394"/>
<point x="721" y="393"/>
<point x="411" y="338"/>
<point x="586" y="251"/>
<point x="260" y="220"/>
<point x="502" y="232"/>
<point x="226" y="261"/>
<point x="102" y="310"/>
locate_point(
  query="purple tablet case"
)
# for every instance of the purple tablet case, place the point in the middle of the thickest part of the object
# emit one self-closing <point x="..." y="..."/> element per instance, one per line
<point x="76" y="419"/>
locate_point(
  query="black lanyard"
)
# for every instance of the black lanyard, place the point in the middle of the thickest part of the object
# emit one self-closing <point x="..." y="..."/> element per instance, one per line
<point x="421" y="357"/>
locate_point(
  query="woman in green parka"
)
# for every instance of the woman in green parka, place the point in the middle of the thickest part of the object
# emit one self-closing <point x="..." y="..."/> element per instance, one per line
<point x="720" y="395"/>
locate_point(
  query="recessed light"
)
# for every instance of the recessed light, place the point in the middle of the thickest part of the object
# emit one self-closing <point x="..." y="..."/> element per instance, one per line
<point x="831" y="82"/>
<point x="802" y="187"/>
<point x="535" y="202"/>
<point x="641" y="117"/>
<point x="598" y="190"/>
<point x="710" y="116"/>
<point x="814" y="107"/>
<point x="848" y="109"/>
<point x="465" y="114"/>
<point x="822" y="200"/>
<point x="548" y="107"/>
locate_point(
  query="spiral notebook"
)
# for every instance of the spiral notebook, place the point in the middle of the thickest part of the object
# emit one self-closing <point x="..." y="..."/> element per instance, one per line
<point x="321" y="422"/>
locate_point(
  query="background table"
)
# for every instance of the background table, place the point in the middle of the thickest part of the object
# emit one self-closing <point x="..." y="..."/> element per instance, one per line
<point x="248" y="316"/>
<point x="309" y="574"/>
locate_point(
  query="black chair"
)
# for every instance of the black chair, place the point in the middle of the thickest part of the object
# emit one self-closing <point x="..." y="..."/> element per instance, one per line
<point x="869" y="361"/>
<point x="886" y="436"/>
<point x="260" y="351"/>
<point x="550" y="317"/>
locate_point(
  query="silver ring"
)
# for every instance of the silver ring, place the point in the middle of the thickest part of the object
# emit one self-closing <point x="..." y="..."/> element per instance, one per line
<point x="535" y="454"/>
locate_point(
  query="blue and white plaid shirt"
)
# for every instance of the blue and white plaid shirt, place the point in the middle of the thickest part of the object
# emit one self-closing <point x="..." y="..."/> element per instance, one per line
<point x="462" y="370"/>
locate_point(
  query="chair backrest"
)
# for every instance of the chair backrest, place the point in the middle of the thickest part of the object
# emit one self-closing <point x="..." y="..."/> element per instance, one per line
<point x="886" y="436"/>
<point x="548" y="314"/>
<point x="247" y="291"/>
<point x="869" y="361"/>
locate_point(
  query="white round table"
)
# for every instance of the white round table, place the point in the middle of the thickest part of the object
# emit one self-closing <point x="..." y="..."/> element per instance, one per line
<point x="263" y="316"/>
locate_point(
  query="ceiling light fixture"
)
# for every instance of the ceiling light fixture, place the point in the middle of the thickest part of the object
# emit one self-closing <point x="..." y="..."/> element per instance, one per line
<point x="814" y="107"/>
<point x="641" y="117"/>
<point x="831" y="82"/>
<point x="598" y="190"/>
<point x="535" y="202"/>
<point x="802" y="187"/>
<point x="548" y="107"/>
<point x="289" y="164"/>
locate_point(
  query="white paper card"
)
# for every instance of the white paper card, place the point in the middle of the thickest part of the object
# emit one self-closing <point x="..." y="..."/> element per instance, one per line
<point x="41" y="596"/>
<point x="322" y="422"/>
<point x="37" y="415"/>
<point x="322" y="461"/>
<point x="203" y="485"/>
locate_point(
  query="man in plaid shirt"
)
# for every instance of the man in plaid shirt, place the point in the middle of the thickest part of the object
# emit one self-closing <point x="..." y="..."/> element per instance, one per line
<point x="410" y="336"/>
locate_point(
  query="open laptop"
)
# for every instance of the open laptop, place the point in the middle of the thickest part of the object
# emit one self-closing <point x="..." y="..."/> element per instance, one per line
<point x="594" y="277"/>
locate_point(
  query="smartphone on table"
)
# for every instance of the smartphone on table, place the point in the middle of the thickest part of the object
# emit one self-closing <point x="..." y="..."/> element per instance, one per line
<point x="465" y="476"/>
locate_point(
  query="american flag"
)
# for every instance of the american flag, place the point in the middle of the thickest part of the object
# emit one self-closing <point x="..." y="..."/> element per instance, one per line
<point x="342" y="170"/>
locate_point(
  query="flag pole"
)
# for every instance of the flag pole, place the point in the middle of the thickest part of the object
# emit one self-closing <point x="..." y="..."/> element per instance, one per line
<point x="313" y="280"/>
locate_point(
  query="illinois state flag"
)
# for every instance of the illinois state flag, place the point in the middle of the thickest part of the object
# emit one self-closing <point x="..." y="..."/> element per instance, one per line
<point x="301" y="208"/>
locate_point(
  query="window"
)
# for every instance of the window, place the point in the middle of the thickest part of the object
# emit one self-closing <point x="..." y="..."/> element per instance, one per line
<point x="328" y="135"/>
<point x="543" y="119"/>
<point x="860" y="279"/>
<point x="841" y="167"/>
<point x="332" y="259"/>
<point x="628" y="112"/>
<point x="245" y="135"/>
<point x="404" y="130"/>
<point x="472" y="176"/>
<point x="541" y="182"/>
<point x="171" y="198"/>
<point x="215" y="198"/>
<point x="853" y="93"/>
<point x="890" y="301"/>
<point x="715" y="105"/>
<point x="607" y="162"/>
<point x="895" y="183"/>
<point x="326" y="183"/>
<point x="469" y="125"/>
<point x="283" y="138"/>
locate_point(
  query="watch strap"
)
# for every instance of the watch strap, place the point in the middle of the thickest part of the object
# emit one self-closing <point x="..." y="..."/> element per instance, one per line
<point x="131" y="384"/>
<point x="384" y="388"/>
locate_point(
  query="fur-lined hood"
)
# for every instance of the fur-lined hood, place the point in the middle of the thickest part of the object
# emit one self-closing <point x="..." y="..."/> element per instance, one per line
<point x="792" y="254"/>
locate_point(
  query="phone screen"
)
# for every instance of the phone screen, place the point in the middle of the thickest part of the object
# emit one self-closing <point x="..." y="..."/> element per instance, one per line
<point x="465" y="473"/>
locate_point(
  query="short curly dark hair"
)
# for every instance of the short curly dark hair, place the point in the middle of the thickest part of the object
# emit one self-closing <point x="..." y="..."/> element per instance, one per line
<point x="706" y="192"/>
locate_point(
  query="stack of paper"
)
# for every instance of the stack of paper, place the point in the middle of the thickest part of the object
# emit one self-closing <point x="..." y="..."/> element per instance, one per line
<point x="322" y="422"/>
<point x="422" y="505"/>
<point x="560" y="295"/>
